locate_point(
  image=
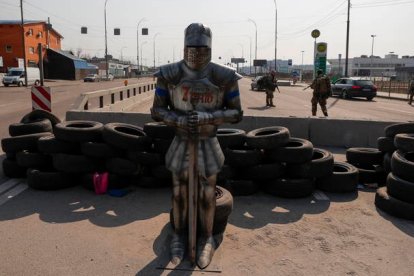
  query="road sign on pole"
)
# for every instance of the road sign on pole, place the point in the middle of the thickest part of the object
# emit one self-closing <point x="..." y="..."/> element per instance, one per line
<point x="41" y="98"/>
<point x="320" y="56"/>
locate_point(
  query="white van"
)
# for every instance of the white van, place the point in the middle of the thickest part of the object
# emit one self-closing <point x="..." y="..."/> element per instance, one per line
<point x="16" y="76"/>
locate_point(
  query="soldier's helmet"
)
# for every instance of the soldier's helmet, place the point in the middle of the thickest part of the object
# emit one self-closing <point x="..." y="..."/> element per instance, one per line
<point x="197" y="46"/>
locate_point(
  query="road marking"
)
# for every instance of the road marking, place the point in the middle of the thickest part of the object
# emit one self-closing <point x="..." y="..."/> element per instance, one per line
<point x="319" y="195"/>
<point x="12" y="193"/>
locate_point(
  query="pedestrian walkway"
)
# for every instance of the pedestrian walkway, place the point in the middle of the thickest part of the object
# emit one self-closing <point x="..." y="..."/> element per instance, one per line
<point x="394" y="96"/>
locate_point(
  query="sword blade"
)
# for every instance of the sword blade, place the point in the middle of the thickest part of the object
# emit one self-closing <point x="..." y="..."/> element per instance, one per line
<point x="192" y="196"/>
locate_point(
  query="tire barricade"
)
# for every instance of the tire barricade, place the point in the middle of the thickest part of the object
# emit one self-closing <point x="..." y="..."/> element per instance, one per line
<point x="55" y="155"/>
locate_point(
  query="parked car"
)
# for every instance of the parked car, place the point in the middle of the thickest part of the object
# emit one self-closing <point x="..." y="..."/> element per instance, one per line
<point x="110" y="77"/>
<point x="16" y="76"/>
<point x="255" y="85"/>
<point x="348" y="88"/>
<point x="92" y="78"/>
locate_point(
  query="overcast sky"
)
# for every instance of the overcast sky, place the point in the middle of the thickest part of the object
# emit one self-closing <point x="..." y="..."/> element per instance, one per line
<point x="233" y="34"/>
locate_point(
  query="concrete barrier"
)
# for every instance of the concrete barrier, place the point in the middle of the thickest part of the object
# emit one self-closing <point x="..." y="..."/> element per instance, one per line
<point x="320" y="131"/>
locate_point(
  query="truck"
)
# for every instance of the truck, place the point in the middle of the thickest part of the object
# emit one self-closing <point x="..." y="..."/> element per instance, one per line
<point x="15" y="76"/>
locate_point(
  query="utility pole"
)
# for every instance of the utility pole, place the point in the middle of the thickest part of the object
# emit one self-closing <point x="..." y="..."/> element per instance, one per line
<point x="139" y="22"/>
<point x="106" y="44"/>
<point x="372" y="54"/>
<point x="24" y="44"/>
<point x="347" y="40"/>
<point x="275" y="35"/>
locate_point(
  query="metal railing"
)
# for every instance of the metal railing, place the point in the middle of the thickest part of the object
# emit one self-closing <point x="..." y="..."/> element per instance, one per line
<point x="102" y="98"/>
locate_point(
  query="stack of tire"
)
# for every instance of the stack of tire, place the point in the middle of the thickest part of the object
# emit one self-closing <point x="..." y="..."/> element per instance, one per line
<point x="369" y="163"/>
<point x="21" y="147"/>
<point x="281" y="165"/>
<point x="397" y="197"/>
<point x="54" y="154"/>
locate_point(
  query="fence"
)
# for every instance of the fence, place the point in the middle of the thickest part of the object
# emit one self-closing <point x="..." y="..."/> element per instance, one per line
<point x="101" y="98"/>
<point x="392" y="86"/>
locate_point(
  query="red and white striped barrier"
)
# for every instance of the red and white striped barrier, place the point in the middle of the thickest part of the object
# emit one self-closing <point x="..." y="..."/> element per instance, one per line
<point x="41" y="98"/>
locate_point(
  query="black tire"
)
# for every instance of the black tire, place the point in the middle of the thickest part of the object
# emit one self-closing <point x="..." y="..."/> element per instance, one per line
<point x="402" y="165"/>
<point x="161" y="172"/>
<point x="226" y="173"/>
<point x="289" y="187"/>
<point x="40" y="114"/>
<point x="392" y="130"/>
<point x="12" y="169"/>
<point x="40" y="180"/>
<point x="263" y="172"/>
<point x="70" y="163"/>
<point x="33" y="160"/>
<point x="404" y="142"/>
<point x="386" y="164"/>
<point x="159" y="130"/>
<point x="393" y="206"/>
<point x="231" y="137"/>
<point x="79" y="131"/>
<point x="296" y="151"/>
<point x="50" y="145"/>
<point x="23" y="142"/>
<point x="161" y="146"/>
<point x="224" y="206"/>
<point x="268" y="137"/>
<point x="382" y="176"/>
<point x="122" y="166"/>
<point x="367" y="173"/>
<point x="344" y="179"/>
<point x="150" y="182"/>
<point x="100" y="150"/>
<point x="242" y="187"/>
<point x="386" y="144"/>
<point x="400" y="188"/>
<point x="321" y="165"/>
<point x="146" y="158"/>
<point x="242" y="156"/>
<point x="126" y="136"/>
<point x="37" y="126"/>
<point x="366" y="156"/>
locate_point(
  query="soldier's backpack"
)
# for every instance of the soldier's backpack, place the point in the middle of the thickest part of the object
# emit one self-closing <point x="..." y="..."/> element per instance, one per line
<point x="323" y="85"/>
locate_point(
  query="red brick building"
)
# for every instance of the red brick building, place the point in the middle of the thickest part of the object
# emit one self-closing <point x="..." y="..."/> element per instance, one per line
<point x="11" y="46"/>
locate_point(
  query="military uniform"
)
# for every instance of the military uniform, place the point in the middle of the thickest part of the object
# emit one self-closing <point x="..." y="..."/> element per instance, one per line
<point x="269" y="84"/>
<point x="321" y="86"/>
<point x="411" y="91"/>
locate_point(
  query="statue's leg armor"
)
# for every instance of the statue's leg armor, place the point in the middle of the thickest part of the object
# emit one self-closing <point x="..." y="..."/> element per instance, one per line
<point x="180" y="209"/>
<point x="206" y="209"/>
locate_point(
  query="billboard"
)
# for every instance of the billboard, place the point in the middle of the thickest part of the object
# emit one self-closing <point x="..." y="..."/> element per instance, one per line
<point x="238" y="60"/>
<point x="259" y="62"/>
<point x="320" y="56"/>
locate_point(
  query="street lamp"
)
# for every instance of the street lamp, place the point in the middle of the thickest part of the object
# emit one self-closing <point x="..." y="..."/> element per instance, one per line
<point x="106" y="43"/>
<point x="255" y="50"/>
<point x="154" y="46"/>
<point x="372" y="53"/>
<point x="275" y="35"/>
<point x="139" y="22"/>
<point x="141" y="53"/>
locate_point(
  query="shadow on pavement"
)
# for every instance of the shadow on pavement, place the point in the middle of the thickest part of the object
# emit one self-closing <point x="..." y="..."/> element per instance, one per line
<point x="405" y="226"/>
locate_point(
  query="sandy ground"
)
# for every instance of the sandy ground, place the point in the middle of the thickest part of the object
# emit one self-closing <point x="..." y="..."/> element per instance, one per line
<point x="74" y="232"/>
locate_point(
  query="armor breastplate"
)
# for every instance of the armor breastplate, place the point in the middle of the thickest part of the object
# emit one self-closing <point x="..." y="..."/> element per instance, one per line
<point x="200" y="95"/>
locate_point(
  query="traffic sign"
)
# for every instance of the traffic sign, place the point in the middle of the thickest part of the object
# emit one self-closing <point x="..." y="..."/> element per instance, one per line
<point x="41" y="98"/>
<point x="315" y="33"/>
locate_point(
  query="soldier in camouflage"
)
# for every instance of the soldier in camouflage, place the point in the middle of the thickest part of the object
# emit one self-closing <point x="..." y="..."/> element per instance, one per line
<point x="321" y="86"/>
<point x="195" y="95"/>
<point x="411" y="91"/>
